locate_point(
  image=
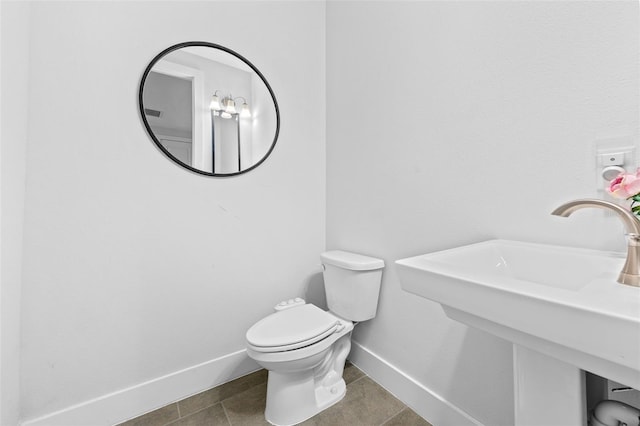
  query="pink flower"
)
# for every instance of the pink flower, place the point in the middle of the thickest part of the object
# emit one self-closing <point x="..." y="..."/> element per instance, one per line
<point x="625" y="185"/>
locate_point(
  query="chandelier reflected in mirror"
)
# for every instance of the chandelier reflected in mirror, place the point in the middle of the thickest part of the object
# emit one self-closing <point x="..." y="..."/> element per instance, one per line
<point x="226" y="108"/>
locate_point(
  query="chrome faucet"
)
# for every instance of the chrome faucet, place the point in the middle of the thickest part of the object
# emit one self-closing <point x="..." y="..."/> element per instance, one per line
<point x="630" y="274"/>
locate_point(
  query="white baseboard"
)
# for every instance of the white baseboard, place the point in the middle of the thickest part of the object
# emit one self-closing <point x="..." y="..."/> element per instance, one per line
<point x="136" y="400"/>
<point x="428" y="404"/>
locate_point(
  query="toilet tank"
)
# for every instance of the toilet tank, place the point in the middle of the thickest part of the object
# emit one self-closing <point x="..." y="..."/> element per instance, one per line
<point x="352" y="284"/>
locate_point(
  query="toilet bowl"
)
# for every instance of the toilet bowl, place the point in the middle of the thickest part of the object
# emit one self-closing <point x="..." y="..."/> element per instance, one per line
<point x="305" y="368"/>
<point x="304" y="348"/>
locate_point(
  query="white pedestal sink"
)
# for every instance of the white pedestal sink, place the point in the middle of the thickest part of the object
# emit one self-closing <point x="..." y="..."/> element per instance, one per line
<point x="561" y="307"/>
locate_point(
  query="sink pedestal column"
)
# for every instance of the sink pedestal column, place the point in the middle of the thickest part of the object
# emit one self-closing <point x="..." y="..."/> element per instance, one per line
<point x="547" y="391"/>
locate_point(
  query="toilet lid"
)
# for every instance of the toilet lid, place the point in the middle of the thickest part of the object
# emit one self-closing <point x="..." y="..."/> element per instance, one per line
<point x="291" y="328"/>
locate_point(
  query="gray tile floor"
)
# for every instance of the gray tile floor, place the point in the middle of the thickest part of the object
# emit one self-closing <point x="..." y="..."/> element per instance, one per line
<point x="241" y="403"/>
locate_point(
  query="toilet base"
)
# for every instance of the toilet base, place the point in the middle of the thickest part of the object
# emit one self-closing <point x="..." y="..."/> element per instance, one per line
<point x="300" y="399"/>
<point x="293" y="397"/>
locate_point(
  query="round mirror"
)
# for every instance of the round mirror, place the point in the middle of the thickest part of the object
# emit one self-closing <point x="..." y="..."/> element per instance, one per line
<point x="209" y="109"/>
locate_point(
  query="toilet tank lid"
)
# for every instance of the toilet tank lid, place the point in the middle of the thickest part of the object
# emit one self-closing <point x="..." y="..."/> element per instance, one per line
<point x="352" y="261"/>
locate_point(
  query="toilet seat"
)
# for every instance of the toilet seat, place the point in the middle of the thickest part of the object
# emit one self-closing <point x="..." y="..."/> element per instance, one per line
<point x="291" y="329"/>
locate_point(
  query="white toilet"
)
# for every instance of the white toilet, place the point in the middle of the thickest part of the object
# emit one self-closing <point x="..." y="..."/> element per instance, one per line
<point x="305" y="348"/>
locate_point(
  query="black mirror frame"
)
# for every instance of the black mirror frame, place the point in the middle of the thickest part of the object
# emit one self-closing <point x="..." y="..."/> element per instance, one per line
<point x="155" y="139"/>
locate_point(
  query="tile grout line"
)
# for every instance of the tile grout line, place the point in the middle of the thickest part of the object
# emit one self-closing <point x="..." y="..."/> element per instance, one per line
<point x="359" y="378"/>
<point x="226" y="415"/>
<point x="178" y="410"/>
<point x="404" y="406"/>
<point x="394" y="415"/>
<point x="215" y="403"/>
<point x="196" y="412"/>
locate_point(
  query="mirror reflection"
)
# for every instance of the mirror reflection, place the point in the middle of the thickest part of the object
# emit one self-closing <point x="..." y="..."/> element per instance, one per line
<point x="209" y="109"/>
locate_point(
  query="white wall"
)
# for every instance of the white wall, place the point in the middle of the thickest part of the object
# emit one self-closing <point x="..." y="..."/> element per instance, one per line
<point x="454" y="122"/>
<point x="14" y="64"/>
<point x="134" y="267"/>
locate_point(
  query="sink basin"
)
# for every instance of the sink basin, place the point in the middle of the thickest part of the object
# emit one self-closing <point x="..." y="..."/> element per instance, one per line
<point x="562" y="302"/>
